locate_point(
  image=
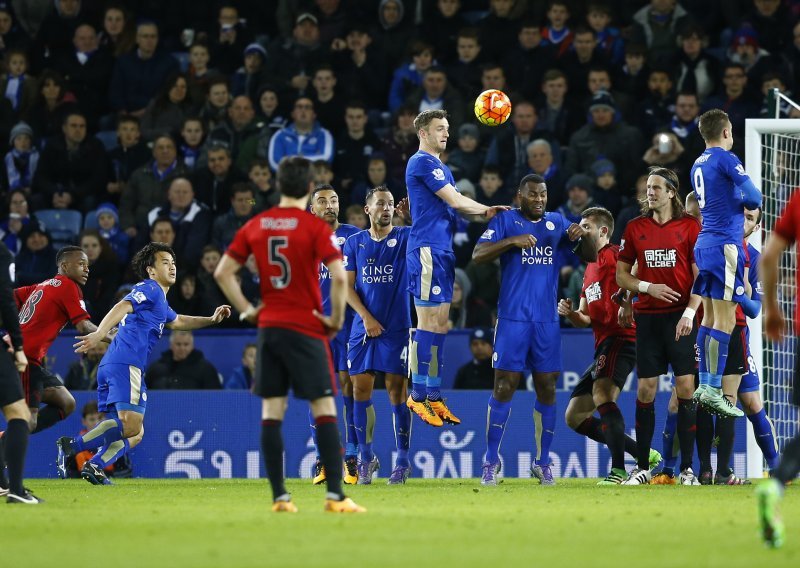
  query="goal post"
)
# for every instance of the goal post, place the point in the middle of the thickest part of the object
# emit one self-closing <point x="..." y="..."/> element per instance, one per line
<point x="772" y="160"/>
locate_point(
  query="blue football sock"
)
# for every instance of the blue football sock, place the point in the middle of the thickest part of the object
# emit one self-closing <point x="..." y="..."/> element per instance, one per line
<point x="496" y="419"/>
<point x="702" y="365"/>
<point x="434" y="382"/>
<point x="765" y="437"/>
<point x="107" y="455"/>
<point x="361" y="426"/>
<point x="718" y="343"/>
<point x="104" y="434"/>
<point x="420" y="363"/>
<point x="668" y="447"/>
<point x="350" y="448"/>
<point x="313" y="425"/>
<point x="544" y="426"/>
<point x="401" y="420"/>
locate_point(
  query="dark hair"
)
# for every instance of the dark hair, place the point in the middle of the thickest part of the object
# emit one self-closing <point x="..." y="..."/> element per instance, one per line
<point x="71" y="113"/>
<point x="241" y="187"/>
<point x="356" y="103"/>
<point x="379" y="189"/>
<point x="211" y="248"/>
<point x="249" y="346"/>
<point x="418" y="47"/>
<point x="491" y="170"/>
<point x="491" y="65"/>
<point x="128" y="118"/>
<point x="106" y="251"/>
<point x="161" y="103"/>
<point x="258" y="162"/>
<point x="597" y="6"/>
<point x="64" y="251"/>
<point x="294" y="176"/>
<point x="470" y="33"/>
<point x="193" y="118"/>
<point x="581" y="30"/>
<point x="687" y="93"/>
<point x="89" y="408"/>
<point x="601" y="216"/>
<point x="15" y="51"/>
<point x="322" y="187"/>
<point x="535" y="179"/>
<point x="162" y="219"/>
<point x="218" y="80"/>
<point x="712" y="123"/>
<point x="426" y="117"/>
<point x="324" y="67"/>
<point x="146" y="258"/>
<point x="552" y="75"/>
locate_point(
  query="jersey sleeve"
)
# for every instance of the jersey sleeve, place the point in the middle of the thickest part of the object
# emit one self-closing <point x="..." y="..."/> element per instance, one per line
<point x="349" y="255"/>
<point x="171" y="314"/>
<point x="431" y="174"/>
<point x="788" y="225"/>
<point x="140" y="297"/>
<point x="627" y="247"/>
<point x="21" y="294"/>
<point x="694" y="232"/>
<point x="73" y="305"/>
<point x="495" y="232"/>
<point x="239" y="249"/>
<point x="325" y="244"/>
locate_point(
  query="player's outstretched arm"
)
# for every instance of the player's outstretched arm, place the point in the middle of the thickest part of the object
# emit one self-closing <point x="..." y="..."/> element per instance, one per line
<point x="112" y="319"/>
<point x="488" y="252"/>
<point x="371" y="325"/>
<point x="86" y="327"/>
<point x="225" y="275"/>
<point x="468" y="207"/>
<point x="775" y="323"/>
<point x="188" y="323"/>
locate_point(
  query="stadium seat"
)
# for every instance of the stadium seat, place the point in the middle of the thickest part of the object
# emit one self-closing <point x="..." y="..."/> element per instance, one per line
<point x="108" y="138"/>
<point x="90" y="221"/>
<point x="62" y="224"/>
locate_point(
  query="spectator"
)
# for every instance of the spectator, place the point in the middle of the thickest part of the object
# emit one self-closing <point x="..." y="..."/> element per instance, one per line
<point x="332" y="17"/>
<point x="218" y="99"/>
<point x="442" y="23"/>
<point x="261" y="178"/>
<point x="138" y="75"/>
<point x="360" y="67"/>
<point x="556" y="115"/>
<point x="697" y="69"/>
<point x="609" y="39"/>
<point x="377" y="174"/>
<point x="493" y="76"/>
<point x="606" y="191"/>
<point x="19" y="217"/>
<point x="465" y="73"/>
<point x="633" y="76"/>
<point x="556" y="33"/>
<point x="657" y="25"/>
<point x="772" y="22"/>
<point x="458" y="316"/>
<point x="292" y="60"/>
<point x="192" y="221"/>
<point x="490" y="188"/>
<point x="400" y="143"/>
<point x="228" y="38"/>
<point x="241" y="378"/>
<point x="167" y="111"/>
<point x="769" y="82"/>
<point x="82" y="374"/>
<point x="683" y="125"/>
<point x="579" y="197"/>
<point x="355" y="215"/>
<point x="191" y="149"/>
<point x="55" y="34"/>
<point x="20" y="163"/>
<point x="108" y="228"/>
<point x="394" y="32"/>
<point x="659" y="105"/>
<point x="72" y="171"/>
<point x="118" y="35"/>
<point x="36" y="258"/>
<point x="88" y="71"/>
<point x="130" y="154"/>
<point x="303" y="137"/>
<point x="323" y="172"/>
<point x="148" y="185"/>
<point x="104" y="274"/>
<point x="541" y="162"/>
<point x="757" y="61"/>
<point x="435" y="93"/>
<point x="577" y="63"/>
<point x="599" y="79"/>
<point x="52" y="103"/>
<point x="603" y="137"/>
<point x="329" y="104"/>
<point x="213" y="183"/>
<point x="199" y="74"/>
<point x="409" y="76"/>
<point x="353" y="148"/>
<point x="734" y="100"/>
<point x="16" y="84"/>
<point x="632" y="210"/>
<point x="185" y="295"/>
<point x="466" y="160"/>
<point x="12" y="36"/>
<point x="211" y="293"/>
<point x="241" y="211"/>
<point x="477" y="374"/>
<point x="269" y="111"/>
<point x="498" y="29"/>
<point x="182" y="367"/>
<point x="792" y="54"/>
<point x="667" y="151"/>
<point x="239" y="132"/>
<point x="527" y="62"/>
<point x="251" y="74"/>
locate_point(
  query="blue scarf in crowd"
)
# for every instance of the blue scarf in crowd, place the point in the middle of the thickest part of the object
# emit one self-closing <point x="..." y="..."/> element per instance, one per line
<point x="161" y="176"/>
<point x="20" y="167"/>
<point x="14" y="90"/>
<point x="190" y="155"/>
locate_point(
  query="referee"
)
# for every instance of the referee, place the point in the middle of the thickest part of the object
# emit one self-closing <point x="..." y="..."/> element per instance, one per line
<point x="12" y="401"/>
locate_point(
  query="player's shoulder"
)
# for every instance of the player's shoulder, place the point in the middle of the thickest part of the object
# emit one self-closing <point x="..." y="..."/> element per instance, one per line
<point x="359" y="236"/>
<point x="346" y="230"/>
<point x="556" y="217"/>
<point x="689" y="222"/>
<point x="638" y="223"/>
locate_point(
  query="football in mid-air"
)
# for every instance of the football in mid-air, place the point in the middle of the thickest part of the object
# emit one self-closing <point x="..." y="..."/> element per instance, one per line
<point x="492" y="107"/>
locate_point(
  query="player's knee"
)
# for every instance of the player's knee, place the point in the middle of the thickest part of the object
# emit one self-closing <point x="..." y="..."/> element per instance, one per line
<point x="545" y="391"/>
<point x="33" y="421"/>
<point x="503" y="390"/>
<point x="573" y="418"/>
<point x="68" y="405"/>
<point x="646" y="391"/>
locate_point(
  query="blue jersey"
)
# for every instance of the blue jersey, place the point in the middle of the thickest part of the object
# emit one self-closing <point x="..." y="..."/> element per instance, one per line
<point x="752" y="274"/>
<point x="341" y="234"/>
<point x="716" y="177"/>
<point x="380" y="270"/>
<point x="434" y="220"/>
<point x="139" y="331"/>
<point x="529" y="277"/>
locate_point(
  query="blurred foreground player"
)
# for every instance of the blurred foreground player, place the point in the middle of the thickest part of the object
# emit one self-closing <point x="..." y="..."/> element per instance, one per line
<point x="289" y="243"/>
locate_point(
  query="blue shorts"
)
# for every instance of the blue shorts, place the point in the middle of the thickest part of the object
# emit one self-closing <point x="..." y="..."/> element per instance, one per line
<point x="521" y="346"/>
<point x="387" y="353"/>
<point x="121" y="385"/>
<point x="431" y="273"/>
<point x="750" y="381"/>
<point x="339" y="351"/>
<point x="721" y="272"/>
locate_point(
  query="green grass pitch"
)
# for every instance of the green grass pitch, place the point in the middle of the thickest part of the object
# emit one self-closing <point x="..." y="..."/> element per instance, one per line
<point x="433" y="523"/>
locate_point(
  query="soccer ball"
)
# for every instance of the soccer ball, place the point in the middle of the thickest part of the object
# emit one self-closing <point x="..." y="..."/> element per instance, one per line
<point x="492" y="107"/>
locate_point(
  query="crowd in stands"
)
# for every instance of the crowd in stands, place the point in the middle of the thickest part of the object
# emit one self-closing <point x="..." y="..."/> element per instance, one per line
<point x="128" y="121"/>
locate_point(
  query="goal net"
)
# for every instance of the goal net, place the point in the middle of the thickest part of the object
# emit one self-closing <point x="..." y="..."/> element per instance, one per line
<point x="773" y="162"/>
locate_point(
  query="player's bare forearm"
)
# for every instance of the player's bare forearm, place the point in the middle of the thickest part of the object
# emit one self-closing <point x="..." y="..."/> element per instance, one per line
<point x="225" y="275"/>
<point x="189" y="323"/>
<point x="86" y="327"/>
<point x="579" y="319"/>
<point x="768" y="270"/>
<point x="461" y="203"/>
<point x="586" y="251"/>
<point x="694" y="302"/>
<point x="113" y="317"/>
<point x="488" y="252"/>
<point x="625" y="279"/>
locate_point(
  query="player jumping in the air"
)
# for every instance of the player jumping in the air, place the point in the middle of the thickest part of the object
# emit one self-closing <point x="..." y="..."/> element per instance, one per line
<point x="723" y="190"/>
<point x="121" y="389"/>
<point x="528" y="336"/>
<point x="435" y="203"/>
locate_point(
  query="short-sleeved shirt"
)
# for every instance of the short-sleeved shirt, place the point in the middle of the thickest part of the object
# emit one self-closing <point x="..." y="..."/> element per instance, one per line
<point x="434" y="220"/>
<point x="380" y="278"/>
<point x="599" y="285"/>
<point x="139" y="331"/>
<point x="665" y="254"/>
<point x="288" y="244"/>
<point x="788" y="228"/>
<point x="529" y="277"/>
<point x="716" y="177"/>
<point x="44" y="310"/>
